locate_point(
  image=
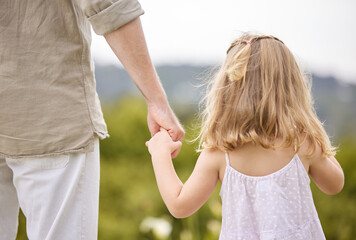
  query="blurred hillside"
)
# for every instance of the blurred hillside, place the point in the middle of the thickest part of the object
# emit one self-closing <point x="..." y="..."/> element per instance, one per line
<point x="335" y="101"/>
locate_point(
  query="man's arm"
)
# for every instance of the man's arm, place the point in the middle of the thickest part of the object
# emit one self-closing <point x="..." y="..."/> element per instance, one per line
<point x="129" y="45"/>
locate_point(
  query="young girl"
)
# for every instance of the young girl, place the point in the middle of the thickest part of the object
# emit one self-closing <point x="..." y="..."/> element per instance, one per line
<point x="261" y="138"/>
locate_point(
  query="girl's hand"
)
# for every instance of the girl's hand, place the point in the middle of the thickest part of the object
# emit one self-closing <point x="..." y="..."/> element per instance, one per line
<point x="162" y="144"/>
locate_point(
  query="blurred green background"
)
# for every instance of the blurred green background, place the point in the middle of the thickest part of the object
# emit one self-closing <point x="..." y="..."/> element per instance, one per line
<point x="130" y="205"/>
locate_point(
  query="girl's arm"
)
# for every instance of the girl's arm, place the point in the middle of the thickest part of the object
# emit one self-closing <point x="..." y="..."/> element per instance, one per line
<point x="182" y="200"/>
<point x="326" y="173"/>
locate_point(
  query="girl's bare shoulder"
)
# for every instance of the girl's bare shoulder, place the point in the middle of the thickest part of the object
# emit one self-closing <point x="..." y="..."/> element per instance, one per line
<point x="215" y="155"/>
<point x="310" y="154"/>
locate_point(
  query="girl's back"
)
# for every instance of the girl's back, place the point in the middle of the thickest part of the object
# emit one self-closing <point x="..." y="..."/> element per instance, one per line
<point x="254" y="160"/>
<point x="266" y="195"/>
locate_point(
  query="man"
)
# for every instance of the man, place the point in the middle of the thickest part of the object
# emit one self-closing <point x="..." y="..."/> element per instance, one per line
<point x="50" y="115"/>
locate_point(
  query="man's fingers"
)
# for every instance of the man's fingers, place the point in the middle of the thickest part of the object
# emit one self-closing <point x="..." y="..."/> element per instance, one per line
<point x="177" y="135"/>
<point x="172" y="134"/>
<point x="181" y="135"/>
<point x="175" y="153"/>
<point x="178" y="144"/>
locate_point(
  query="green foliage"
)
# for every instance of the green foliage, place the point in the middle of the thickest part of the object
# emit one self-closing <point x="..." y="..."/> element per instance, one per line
<point x="129" y="197"/>
<point x="127" y="128"/>
<point x="338" y="213"/>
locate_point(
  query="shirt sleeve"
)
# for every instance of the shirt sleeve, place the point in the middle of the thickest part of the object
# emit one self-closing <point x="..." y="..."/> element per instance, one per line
<point x="108" y="15"/>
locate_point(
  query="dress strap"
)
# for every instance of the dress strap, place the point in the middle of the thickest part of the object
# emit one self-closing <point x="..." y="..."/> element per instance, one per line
<point x="295" y="145"/>
<point x="227" y="159"/>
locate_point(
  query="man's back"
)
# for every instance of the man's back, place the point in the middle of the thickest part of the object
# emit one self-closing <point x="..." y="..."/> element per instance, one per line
<point x="48" y="98"/>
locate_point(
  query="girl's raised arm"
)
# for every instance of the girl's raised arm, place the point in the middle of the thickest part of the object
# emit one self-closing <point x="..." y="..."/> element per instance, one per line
<point x="182" y="200"/>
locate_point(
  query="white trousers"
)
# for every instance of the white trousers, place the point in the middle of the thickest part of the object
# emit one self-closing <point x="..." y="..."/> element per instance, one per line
<point x="59" y="196"/>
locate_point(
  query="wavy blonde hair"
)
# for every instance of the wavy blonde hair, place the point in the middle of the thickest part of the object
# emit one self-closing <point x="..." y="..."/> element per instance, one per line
<point x="258" y="95"/>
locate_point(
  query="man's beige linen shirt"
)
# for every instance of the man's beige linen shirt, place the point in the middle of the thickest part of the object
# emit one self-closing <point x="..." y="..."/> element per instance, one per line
<point x="49" y="103"/>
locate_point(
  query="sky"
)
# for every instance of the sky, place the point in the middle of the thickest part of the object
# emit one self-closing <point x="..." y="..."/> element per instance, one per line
<point x="320" y="33"/>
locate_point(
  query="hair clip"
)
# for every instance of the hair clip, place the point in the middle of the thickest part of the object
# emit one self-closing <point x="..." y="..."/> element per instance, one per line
<point x="248" y="42"/>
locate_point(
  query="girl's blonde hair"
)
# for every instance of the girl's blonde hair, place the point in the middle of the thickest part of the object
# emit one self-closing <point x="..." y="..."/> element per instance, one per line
<point x="258" y="95"/>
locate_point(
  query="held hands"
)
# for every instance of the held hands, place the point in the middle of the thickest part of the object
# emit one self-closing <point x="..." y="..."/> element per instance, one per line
<point x="162" y="117"/>
<point x="161" y="143"/>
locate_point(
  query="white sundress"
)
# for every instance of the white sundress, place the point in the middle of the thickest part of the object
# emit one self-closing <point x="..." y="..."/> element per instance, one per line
<point x="272" y="207"/>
